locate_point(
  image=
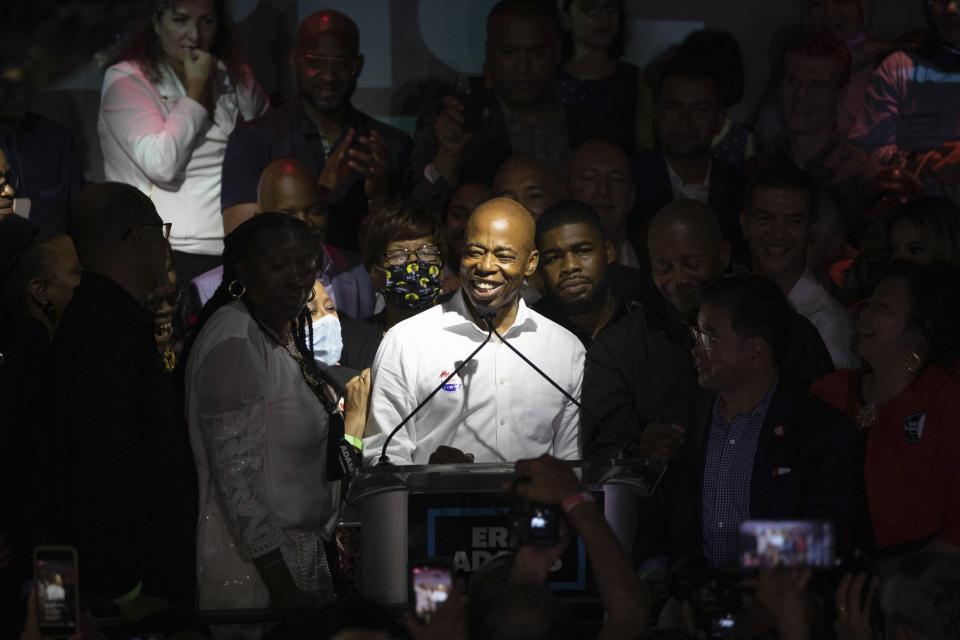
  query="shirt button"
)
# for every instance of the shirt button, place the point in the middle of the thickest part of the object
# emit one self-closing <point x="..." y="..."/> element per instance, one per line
<point x="502" y="420"/>
<point x="502" y="381"/>
<point x="732" y="441"/>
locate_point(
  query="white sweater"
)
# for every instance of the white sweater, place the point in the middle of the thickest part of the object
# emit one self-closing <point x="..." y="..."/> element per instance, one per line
<point x="164" y="143"/>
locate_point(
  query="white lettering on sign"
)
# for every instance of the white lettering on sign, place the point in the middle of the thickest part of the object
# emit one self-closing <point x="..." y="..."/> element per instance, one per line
<point x="488" y="537"/>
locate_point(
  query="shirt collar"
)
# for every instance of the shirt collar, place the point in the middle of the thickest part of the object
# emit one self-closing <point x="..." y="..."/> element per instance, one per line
<point x="456" y="314"/>
<point x="759" y="412"/>
<point x="805" y="289"/>
<point x="676" y="179"/>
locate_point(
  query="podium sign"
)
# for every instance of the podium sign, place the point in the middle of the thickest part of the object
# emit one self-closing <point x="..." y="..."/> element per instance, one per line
<point x="469" y="529"/>
<point x="461" y="513"/>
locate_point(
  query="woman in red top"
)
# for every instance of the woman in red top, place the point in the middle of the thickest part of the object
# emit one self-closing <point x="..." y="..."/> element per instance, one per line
<point x="908" y="405"/>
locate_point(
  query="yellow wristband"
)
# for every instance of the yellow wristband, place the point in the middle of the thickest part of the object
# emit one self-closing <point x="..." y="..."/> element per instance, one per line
<point x="130" y="596"/>
<point x="357" y="443"/>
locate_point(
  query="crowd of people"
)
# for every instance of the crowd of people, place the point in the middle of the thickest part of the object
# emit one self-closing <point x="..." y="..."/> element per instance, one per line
<point x="576" y="259"/>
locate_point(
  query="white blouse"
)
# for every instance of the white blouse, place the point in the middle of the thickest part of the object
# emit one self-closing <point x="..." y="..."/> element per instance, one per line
<point x="164" y="143"/>
<point x="259" y="440"/>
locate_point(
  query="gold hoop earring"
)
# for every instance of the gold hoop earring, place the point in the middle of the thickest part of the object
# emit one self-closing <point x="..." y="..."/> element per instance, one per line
<point x="234" y="293"/>
<point x="913" y="363"/>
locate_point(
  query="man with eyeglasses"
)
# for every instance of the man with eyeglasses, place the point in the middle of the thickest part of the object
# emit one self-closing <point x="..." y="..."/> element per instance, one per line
<point x="497" y="408"/>
<point x="123" y="485"/>
<point x="359" y="160"/>
<point x="753" y="447"/>
<point x="638" y="365"/>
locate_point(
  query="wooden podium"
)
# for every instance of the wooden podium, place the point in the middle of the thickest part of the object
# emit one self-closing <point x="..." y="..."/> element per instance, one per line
<point x="460" y="512"/>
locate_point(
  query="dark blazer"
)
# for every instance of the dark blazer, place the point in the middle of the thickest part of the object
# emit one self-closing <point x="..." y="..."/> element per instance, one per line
<point x="805" y="467"/>
<point x="725" y="197"/>
<point x="640" y="364"/>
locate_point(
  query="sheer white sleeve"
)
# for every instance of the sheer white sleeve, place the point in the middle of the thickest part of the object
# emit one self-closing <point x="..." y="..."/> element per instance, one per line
<point x="232" y="421"/>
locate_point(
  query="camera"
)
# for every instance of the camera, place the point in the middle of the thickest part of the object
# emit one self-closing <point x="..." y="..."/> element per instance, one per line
<point x="716" y="596"/>
<point x="532" y="523"/>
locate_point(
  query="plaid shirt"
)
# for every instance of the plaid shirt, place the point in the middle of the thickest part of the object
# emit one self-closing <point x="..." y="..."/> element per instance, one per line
<point x="731" y="447"/>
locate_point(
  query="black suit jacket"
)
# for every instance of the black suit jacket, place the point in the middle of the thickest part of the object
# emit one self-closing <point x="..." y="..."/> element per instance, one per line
<point x="642" y="363"/>
<point x="725" y="197"/>
<point x="805" y="467"/>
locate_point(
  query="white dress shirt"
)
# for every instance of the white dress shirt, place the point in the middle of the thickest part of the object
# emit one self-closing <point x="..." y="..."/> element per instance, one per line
<point x="689" y="191"/>
<point x="833" y="322"/>
<point x="497" y="408"/>
<point x="164" y="143"/>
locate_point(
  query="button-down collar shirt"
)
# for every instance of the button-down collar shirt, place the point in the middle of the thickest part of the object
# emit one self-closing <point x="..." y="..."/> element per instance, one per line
<point x="728" y="469"/>
<point x="692" y="191"/>
<point x="497" y="408"/>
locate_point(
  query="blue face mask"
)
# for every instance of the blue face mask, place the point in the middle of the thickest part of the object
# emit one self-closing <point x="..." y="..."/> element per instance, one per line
<point x="327" y="341"/>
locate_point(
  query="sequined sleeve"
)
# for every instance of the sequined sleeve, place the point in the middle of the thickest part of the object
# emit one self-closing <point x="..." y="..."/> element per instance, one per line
<point x="232" y="421"/>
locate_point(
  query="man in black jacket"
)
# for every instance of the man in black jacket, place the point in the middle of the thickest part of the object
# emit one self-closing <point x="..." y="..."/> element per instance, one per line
<point x="753" y="448"/>
<point x="122" y="482"/>
<point x="642" y="363"/>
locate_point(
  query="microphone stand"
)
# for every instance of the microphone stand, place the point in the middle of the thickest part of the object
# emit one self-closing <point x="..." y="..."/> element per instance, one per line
<point x="486" y="314"/>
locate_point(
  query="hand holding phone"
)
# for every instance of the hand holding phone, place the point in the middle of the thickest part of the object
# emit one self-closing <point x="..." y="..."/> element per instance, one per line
<point x="56" y="589"/>
<point x="431" y="582"/>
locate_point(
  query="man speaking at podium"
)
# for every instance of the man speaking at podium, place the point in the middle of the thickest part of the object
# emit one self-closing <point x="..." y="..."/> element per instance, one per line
<point x="498" y="408"/>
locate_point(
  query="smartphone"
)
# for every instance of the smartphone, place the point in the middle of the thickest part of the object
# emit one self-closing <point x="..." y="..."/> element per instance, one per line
<point x="786" y="543"/>
<point x="56" y="583"/>
<point x="431" y="581"/>
<point x="544" y="525"/>
<point x="470" y="88"/>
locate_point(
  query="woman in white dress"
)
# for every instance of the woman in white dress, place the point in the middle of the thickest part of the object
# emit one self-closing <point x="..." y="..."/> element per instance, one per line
<point x="167" y="108"/>
<point x="267" y="437"/>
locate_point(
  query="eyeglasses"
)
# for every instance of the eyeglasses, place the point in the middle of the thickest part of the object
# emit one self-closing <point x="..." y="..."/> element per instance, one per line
<point x="164" y="229"/>
<point x="341" y="65"/>
<point x="173" y="299"/>
<point x="427" y="253"/>
<point x="10" y="179"/>
<point x="702" y="339"/>
<point x="593" y="9"/>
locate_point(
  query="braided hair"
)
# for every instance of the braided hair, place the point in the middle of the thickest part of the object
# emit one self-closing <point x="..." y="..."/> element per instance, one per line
<point x="236" y="248"/>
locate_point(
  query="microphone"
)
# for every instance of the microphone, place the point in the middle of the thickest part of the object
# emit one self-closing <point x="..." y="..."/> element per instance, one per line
<point x="543" y="375"/>
<point x="486" y="313"/>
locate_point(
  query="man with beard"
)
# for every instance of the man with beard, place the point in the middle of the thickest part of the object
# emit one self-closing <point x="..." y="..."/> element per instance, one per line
<point x="497" y="408"/>
<point x="574" y="260"/>
<point x="640" y="364"/>
<point x="289" y="186"/>
<point x="359" y="159"/>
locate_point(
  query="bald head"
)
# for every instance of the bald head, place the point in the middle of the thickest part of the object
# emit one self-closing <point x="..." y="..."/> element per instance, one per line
<point x="599" y="174"/>
<point x="687" y="250"/>
<point x="327" y="23"/>
<point x="499" y="253"/>
<point x="290" y="186"/>
<point x="530" y="181"/>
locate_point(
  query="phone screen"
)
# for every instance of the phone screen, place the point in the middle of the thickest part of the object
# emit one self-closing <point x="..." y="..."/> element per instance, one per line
<point x="543" y="523"/>
<point x="430" y="584"/>
<point x="55" y="574"/>
<point x="786" y="543"/>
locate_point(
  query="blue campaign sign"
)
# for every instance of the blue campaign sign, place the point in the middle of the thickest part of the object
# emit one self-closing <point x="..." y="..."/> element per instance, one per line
<point x="451" y="527"/>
